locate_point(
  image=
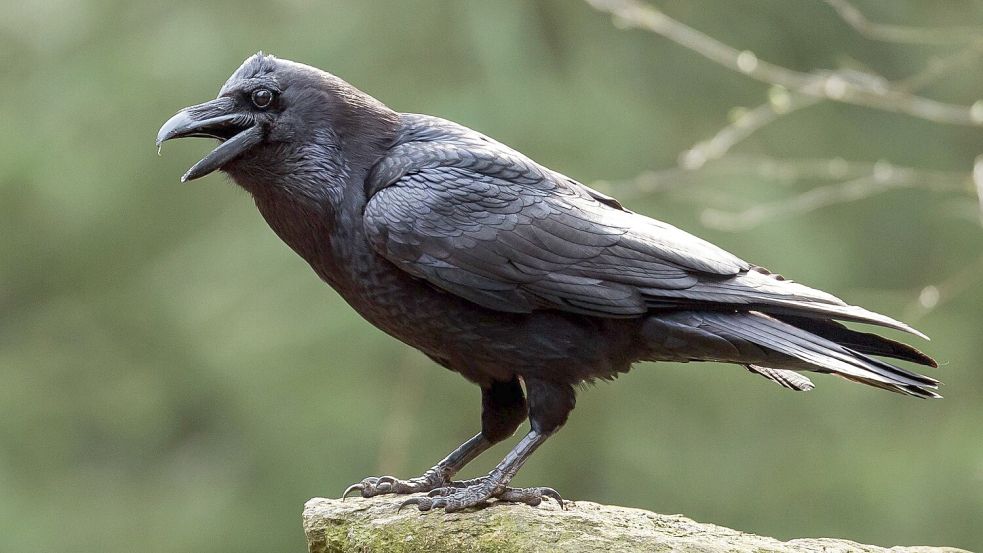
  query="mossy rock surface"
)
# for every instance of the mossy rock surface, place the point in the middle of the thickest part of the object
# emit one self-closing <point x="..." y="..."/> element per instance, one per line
<point x="373" y="526"/>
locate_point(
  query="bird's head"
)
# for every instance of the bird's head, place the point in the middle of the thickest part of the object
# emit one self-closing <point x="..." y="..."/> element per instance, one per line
<point x="276" y="117"/>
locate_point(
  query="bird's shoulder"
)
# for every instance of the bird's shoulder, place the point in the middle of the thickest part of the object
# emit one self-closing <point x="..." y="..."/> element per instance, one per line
<point x="482" y="220"/>
<point x="427" y="142"/>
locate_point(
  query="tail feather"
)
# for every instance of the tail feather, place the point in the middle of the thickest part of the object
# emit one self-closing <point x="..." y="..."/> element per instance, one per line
<point x="863" y="342"/>
<point x="759" y="290"/>
<point x="769" y="343"/>
<point x="842" y="312"/>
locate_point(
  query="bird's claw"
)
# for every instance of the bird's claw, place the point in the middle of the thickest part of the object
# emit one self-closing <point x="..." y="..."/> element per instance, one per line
<point x="454" y="498"/>
<point x="352" y="488"/>
<point x="531" y="496"/>
<point x="378" y="485"/>
<point x="414" y="501"/>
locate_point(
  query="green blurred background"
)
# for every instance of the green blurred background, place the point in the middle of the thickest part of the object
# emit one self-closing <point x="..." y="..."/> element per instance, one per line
<point x="173" y="378"/>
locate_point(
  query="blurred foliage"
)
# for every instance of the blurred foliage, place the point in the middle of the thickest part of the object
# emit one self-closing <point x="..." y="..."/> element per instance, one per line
<point x="172" y="378"/>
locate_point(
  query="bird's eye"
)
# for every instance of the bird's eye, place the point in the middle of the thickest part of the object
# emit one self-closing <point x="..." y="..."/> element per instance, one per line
<point x="262" y="98"/>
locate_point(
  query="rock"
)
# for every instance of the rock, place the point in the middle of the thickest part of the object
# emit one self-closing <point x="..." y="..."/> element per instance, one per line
<point x="373" y="525"/>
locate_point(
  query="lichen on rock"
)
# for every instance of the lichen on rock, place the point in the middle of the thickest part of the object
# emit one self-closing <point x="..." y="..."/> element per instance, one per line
<point x="373" y="525"/>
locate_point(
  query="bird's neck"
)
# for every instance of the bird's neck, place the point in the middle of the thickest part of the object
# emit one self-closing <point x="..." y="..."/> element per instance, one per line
<point x="313" y="197"/>
<point x="320" y="221"/>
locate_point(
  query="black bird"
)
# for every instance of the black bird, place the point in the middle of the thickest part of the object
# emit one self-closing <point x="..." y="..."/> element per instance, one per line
<point x="509" y="273"/>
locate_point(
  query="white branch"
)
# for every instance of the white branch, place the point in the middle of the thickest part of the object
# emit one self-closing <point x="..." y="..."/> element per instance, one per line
<point x="850" y="87"/>
<point x="784" y="171"/>
<point x="882" y="177"/>
<point x="780" y="103"/>
<point x="902" y="34"/>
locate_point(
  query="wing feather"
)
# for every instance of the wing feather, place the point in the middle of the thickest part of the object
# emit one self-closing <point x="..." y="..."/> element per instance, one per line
<point x="482" y="221"/>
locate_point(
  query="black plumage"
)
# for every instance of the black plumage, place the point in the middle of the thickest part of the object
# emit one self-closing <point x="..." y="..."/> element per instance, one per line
<point x="504" y="271"/>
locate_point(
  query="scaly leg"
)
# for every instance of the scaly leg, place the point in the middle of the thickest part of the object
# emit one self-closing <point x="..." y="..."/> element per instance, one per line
<point x="437" y="476"/>
<point x="503" y="410"/>
<point x="475" y="492"/>
<point x="549" y="405"/>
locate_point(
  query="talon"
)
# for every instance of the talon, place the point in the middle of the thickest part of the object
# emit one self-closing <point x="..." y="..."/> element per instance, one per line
<point x="354" y="487"/>
<point x="550" y="492"/>
<point x="418" y="501"/>
<point x="422" y="503"/>
<point x="530" y="496"/>
<point x="410" y="501"/>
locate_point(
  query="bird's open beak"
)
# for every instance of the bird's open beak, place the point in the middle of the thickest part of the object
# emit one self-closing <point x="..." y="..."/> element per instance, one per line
<point x="218" y="118"/>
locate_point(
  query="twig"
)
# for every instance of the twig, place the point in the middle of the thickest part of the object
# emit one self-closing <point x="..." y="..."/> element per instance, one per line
<point x="780" y="103"/>
<point x="850" y="87"/>
<point x="899" y="33"/>
<point x="783" y="171"/>
<point x="940" y="66"/>
<point x="883" y="177"/>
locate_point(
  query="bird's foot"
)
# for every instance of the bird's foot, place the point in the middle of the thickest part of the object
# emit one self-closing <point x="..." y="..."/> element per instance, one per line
<point x="473" y="493"/>
<point x="372" y="486"/>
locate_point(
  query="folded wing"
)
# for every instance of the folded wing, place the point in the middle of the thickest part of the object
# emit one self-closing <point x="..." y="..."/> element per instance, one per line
<point x="480" y="220"/>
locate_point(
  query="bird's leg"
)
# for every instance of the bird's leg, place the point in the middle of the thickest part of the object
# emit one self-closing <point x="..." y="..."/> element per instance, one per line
<point x="435" y="477"/>
<point x="549" y="405"/>
<point x="461" y="495"/>
<point x="503" y="410"/>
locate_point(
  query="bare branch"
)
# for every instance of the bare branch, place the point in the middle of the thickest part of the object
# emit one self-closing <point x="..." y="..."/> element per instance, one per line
<point x="780" y="103"/>
<point x="882" y="177"/>
<point x="783" y="171"/>
<point x="937" y="67"/>
<point x="850" y="87"/>
<point x="902" y="34"/>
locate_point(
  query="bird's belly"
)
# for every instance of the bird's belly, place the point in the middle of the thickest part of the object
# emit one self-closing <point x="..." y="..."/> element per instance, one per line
<point x="480" y="343"/>
<point x="483" y="344"/>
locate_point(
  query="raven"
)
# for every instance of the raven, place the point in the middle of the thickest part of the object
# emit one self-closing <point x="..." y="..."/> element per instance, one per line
<point x="521" y="279"/>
